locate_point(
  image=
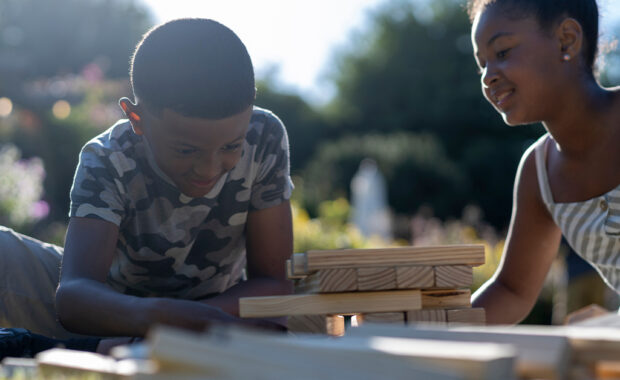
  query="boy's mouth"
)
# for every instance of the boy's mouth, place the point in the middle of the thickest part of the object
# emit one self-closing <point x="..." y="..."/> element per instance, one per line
<point x="204" y="183"/>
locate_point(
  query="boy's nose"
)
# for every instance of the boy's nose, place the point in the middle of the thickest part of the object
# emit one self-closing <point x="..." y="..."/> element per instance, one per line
<point x="207" y="167"/>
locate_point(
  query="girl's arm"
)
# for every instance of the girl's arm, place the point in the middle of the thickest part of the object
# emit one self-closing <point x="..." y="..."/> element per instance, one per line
<point x="531" y="246"/>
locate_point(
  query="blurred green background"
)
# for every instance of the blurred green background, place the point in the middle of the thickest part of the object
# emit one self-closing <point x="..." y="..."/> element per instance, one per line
<point x="407" y="96"/>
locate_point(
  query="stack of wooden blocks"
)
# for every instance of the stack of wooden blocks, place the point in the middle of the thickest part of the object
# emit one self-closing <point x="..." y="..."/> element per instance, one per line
<point x="402" y="285"/>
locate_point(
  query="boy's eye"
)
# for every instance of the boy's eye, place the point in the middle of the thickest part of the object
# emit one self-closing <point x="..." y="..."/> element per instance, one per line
<point x="184" y="151"/>
<point x="231" y="147"/>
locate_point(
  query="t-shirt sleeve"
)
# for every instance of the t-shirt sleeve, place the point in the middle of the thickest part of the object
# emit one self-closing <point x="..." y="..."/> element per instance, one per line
<point x="96" y="190"/>
<point x="272" y="184"/>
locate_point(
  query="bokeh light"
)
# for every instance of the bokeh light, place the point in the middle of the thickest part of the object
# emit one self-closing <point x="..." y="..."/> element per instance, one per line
<point x="6" y="107"/>
<point x="61" y="109"/>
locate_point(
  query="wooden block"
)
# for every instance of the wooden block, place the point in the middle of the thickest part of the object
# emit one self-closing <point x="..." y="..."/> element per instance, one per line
<point x="317" y="324"/>
<point x="479" y="361"/>
<point x="607" y="370"/>
<point x="415" y="277"/>
<point x="237" y="354"/>
<point x="540" y="355"/>
<point x="306" y="285"/>
<point x="593" y="315"/>
<point x="337" y="280"/>
<point x="299" y="264"/>
<point x="465" y="254"/>
<point x="471" y="316"/>
<point x="427" y="316"/>
<point x="393" y="317"/>
<point x="331" y="303"/>
<point x="446" y="299"/>
<point x="378" y="278"/>
<point x="454" y="276"/>
<point x="290" y="273"/>
<point x="328" y="281"/>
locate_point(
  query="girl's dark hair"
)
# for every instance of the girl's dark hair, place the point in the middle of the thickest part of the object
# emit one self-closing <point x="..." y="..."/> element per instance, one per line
<point x="548" y="12"/>
<point x="195" y="67"/>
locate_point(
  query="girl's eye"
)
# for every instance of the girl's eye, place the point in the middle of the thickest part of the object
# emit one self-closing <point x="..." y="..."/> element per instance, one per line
<point x="231" y="147"/>
<point x="502" y="53"/>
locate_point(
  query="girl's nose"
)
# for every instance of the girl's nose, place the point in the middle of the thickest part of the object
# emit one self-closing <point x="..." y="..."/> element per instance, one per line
<point x="489" y="75"/>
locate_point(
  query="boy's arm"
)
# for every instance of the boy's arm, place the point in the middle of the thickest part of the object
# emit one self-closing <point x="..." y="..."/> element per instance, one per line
<point x="87" y="305"/>
<point x="531" y="246"/>
<point x="269" y="243"/>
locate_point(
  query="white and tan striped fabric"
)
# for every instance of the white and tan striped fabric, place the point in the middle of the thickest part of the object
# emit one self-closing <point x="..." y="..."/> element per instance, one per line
<point x="592" y="227"/>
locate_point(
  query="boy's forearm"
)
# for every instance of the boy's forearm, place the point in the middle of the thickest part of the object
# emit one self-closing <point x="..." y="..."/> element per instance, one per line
<point x="92" y="308"/>
<point x="255" y="287"/>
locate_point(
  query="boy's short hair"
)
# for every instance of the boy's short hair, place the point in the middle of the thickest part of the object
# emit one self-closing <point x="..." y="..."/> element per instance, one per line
<point x="195" y="67"/>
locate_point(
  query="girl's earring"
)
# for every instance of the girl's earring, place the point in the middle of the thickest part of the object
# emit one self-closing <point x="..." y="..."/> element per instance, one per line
<point x="566" y="57"/>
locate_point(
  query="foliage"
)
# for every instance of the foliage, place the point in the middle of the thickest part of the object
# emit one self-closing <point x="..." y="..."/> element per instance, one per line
<point x="47" y="38"/>
<point x="330" y="230"/>
<point x="417" y="74"/>
<point x="306" y="127"/>
<point x="415" y="166"/>
<point x="21" y="187"/>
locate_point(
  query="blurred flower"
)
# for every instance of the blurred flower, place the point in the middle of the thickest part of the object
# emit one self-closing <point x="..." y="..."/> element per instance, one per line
<point x="21" y="187"/>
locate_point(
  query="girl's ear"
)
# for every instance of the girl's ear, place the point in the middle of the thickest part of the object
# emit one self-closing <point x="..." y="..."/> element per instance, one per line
<point x="131" y="111"/>
<point x="570" y="37"/>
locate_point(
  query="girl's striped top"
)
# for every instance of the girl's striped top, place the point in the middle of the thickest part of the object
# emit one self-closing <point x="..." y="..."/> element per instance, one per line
<point x="592" y="227"/>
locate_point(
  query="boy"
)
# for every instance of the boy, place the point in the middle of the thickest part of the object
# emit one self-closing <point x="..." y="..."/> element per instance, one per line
<point x="169" y="207"/>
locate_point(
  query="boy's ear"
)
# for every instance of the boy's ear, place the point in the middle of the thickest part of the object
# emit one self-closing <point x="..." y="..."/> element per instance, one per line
<point x="131" y="111"/>
<point x="570" y="36"/>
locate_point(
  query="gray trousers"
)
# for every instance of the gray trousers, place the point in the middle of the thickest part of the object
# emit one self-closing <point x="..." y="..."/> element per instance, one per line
<point x="29" y="275"/>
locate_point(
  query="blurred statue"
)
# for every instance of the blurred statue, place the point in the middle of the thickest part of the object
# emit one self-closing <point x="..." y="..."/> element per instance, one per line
<point x="370" y="211"/>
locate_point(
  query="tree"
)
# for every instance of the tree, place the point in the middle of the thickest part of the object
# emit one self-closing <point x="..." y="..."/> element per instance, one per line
<point x="417" y="74"/>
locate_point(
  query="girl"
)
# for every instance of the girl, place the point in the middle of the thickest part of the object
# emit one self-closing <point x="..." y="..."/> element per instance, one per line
<point x="536" y="61"/>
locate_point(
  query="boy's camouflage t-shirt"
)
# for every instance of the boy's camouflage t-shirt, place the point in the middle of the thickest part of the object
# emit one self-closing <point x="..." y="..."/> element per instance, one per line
<point x="171" y="245"/>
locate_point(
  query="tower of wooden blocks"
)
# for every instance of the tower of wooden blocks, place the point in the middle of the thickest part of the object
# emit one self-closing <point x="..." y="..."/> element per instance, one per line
<point x="401" y="285"/>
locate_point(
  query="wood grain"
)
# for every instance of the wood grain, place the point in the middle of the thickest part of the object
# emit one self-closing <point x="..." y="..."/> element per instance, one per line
<point x="378" y="278"/>
<point x="415" y="277"/>
<point x="331" y="303"/>
<point x="446" y="299"/>
<point x="466" y="254"/>
<point x="454" y="276"/>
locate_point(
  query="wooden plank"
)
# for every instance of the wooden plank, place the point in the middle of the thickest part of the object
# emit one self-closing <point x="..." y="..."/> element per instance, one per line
<point x="465" y="254"/>
<point x="393" y="317"/>
<point x="469" y="360"/>
<point x="446" y="299"/>
<point x="471" y="316"/>
<point x="539" y="355"/>
<point x="241" y="354"/>
<point x="454" y="276"/>
<point x="427" y="316"/>
<point x="316" y="324"/>
<point x="415" y="277"/>
<point x="60" y="363"/>
<point x="377" y="278"/>
<point x="331" y="303"/>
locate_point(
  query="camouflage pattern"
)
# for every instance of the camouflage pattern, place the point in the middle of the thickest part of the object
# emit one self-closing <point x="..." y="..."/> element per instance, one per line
<point x="171" y="245"/>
